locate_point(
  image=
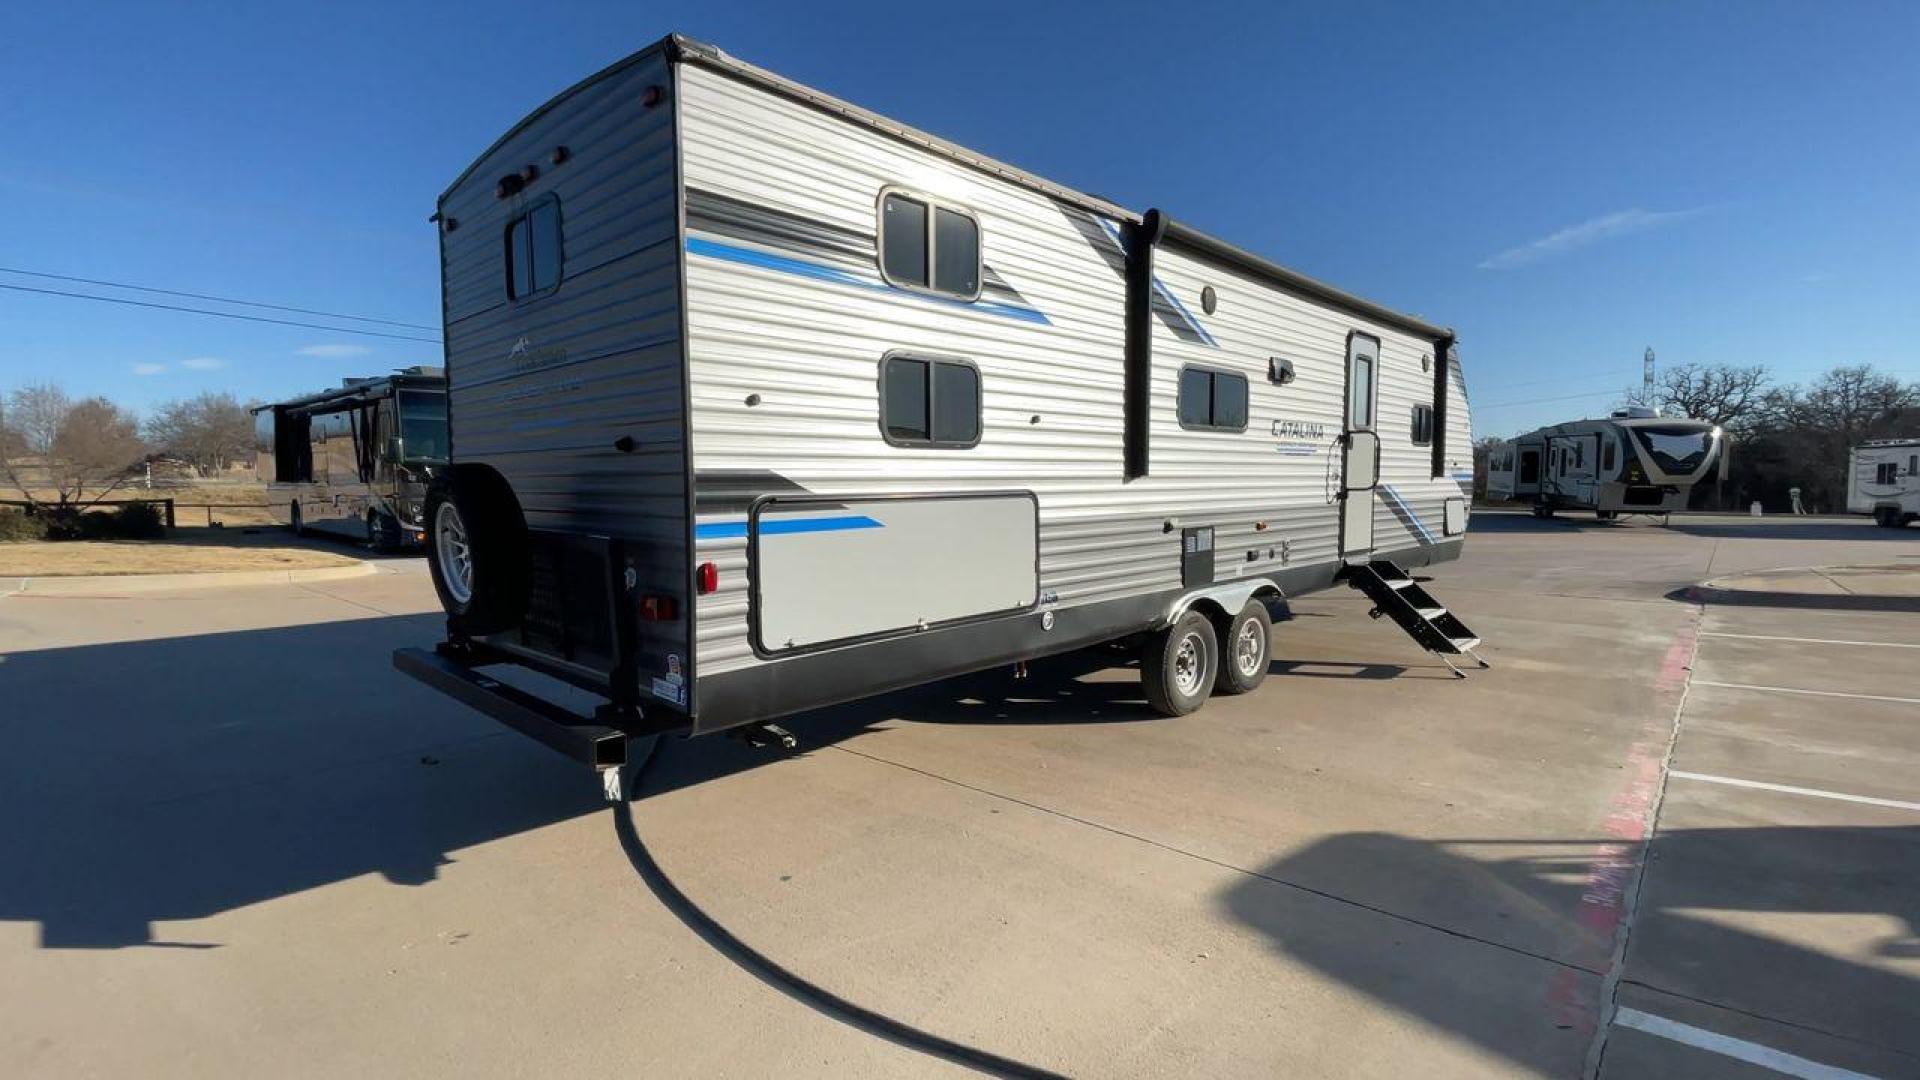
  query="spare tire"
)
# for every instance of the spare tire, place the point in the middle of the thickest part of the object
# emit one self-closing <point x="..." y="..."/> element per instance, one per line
<point x="477" y="552"/>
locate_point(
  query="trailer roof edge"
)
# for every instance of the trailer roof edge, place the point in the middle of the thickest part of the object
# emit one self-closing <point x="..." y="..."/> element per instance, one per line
<point x="1182" y="235"/>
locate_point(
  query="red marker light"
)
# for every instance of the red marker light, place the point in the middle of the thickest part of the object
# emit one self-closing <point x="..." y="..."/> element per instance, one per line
<point x="707" y="578"/>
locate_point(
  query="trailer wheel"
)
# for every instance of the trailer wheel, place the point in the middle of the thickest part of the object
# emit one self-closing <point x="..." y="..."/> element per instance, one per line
<point x="1247" y="652"/>
<point x="477" y="553"/>
<point x="1887" y="517"/>
<point x="1179" y="665"/>
<point x="1606" y="515"/>
<point x="294" y="521"/>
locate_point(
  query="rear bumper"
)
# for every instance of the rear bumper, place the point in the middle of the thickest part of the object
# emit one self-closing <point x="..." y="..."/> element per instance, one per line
<point x="453" y="671"/>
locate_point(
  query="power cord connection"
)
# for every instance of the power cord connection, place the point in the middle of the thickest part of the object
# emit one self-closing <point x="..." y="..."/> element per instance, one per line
<point x="783" y="979"/>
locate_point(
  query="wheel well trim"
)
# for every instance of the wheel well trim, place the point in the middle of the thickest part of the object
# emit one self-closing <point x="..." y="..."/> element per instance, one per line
<point x="1220" y="601"/>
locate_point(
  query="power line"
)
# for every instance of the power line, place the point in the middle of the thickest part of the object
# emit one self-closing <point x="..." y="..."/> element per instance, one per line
<point x="216" y="299"/>
<point x="1539" y="401"/>
<point x="217" y="314"/>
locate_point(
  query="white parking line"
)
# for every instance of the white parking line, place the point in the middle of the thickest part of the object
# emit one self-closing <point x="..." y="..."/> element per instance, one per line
<point x="1751" y="1052"/>
<point x="1810" y="640"/>
<point x="1797" y="690"/>
<point x="1789" y="789"/>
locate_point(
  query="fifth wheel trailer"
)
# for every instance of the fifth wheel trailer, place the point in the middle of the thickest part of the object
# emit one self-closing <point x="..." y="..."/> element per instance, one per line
<point x="1883" y="479"/>
<point x="1635" y="462"/>
<point x="761" y="402"/>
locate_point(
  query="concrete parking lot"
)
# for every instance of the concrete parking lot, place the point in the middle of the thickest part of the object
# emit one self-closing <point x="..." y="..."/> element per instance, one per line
<point x="237" y="842"/>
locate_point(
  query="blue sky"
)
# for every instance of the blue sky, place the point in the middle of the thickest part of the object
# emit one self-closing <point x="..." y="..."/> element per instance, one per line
<point x="1565" y="184"/>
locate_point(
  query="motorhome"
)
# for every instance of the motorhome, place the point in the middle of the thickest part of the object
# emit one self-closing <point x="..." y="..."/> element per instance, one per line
<point x="1883" y="479"/>
<point x="1634" y="462"/>
<point x="355" y="461"/>
<point x="760" y="402"/>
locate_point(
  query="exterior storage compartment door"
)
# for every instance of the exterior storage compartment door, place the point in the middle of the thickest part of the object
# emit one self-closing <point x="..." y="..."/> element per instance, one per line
<point x="830" y="571"/>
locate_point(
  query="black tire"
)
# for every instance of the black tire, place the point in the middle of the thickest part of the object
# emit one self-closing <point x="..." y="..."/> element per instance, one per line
<point x="1178" y="666"/>
<point x="1247" y="651"/>
<point x="294" y="520"/>
<point x="1542" y="510"/>
<point x="474" y="518"/>
<point x="1887" y="518"/>
<point x="1606" y="515"/>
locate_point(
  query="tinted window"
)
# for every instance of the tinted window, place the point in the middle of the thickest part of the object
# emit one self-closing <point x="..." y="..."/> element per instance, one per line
<point x="1213" y="400"/>
<point x="956" y="253"/>
<point x="956" y="403"/>
<point x="930" y="402"/>
<point x="905" y="404"/>
<point x="544" y="223"/>
<point x="1196" y="397"/>
<point x="1422" y="425"/>
<point x="1229" y="401"/>
<point x="903" y="238"/>
<point x="522" y="269"/>
<point x="533" y="250"/>
<point x="1361" y="393"/>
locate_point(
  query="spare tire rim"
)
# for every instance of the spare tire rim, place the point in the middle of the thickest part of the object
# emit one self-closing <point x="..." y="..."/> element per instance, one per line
<point x="1249" y="648"/>
<point x="454" y="552"/>
<point x="1189" y="659"/>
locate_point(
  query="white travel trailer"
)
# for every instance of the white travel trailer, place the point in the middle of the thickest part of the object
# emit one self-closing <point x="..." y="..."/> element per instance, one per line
<point x="761" y="402"/>
<point x="1636" y="462"/>
<point x="1883" y="479"/>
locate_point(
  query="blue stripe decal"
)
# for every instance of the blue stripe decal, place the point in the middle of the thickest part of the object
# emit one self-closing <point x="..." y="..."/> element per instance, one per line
<point x="736" y="530"/>
<point x="784" y="264"/>
<point x="1402" y="510"/>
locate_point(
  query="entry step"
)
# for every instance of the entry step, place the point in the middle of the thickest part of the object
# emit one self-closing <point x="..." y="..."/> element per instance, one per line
<point x="1397" y="595"/>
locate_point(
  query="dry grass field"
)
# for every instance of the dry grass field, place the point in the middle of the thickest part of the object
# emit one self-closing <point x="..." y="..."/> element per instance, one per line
<point x="187" y="551"/>
<point x="196" y="502"/>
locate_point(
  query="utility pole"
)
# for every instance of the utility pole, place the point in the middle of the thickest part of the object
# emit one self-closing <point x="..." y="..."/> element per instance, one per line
<point x="1646" y="377"/>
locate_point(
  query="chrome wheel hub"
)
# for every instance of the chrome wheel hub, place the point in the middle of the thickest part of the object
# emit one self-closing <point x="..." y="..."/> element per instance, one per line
<point x="455" y="553"/>
<point x="1189" y="664"/>
<point x="1249" y="649"/>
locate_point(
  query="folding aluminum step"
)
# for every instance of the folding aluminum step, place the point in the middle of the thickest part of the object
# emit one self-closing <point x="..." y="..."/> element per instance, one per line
<point x="1395" y="594"/>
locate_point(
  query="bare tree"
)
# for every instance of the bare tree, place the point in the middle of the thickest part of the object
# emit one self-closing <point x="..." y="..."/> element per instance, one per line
<point x="1733" y="397"/>
<point x="30" y="420"/>
<point x="209" y="432"/>
<point x="96" y="447"/>
<point x="75" y="446"/>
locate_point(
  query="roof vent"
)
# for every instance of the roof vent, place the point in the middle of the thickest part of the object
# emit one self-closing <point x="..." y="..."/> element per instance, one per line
<point x="1636" y="412"/>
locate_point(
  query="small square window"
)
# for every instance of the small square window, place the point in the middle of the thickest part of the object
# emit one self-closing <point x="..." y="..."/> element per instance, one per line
<point x="1212" y="400"/>
<point x="534" y="250"/>
<point x="929" y="402"/>
<point x="928" y="246"/>
<point x="1423" y="425"/>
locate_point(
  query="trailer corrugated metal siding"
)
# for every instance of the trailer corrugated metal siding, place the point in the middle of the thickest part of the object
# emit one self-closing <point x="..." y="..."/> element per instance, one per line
<point x="810" y="347"/>
<point x="541" y="389"/>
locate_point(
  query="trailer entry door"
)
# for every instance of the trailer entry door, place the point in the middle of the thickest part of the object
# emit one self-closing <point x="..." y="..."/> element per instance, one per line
<point x="1360" y="472"/>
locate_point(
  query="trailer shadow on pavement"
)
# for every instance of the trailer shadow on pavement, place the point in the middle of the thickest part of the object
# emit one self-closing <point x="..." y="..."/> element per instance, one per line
<point x="176" y="778"/>
<point x="1683" y="927"/>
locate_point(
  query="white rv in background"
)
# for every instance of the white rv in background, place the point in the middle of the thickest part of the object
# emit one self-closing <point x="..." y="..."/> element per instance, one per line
<point x="761" y="402"/>
<point x="1883" y="479"/>
<point x="1634" y="462"/>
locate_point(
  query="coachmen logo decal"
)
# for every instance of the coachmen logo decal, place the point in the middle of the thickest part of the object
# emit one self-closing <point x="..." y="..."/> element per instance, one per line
<point x="524" y="355"/>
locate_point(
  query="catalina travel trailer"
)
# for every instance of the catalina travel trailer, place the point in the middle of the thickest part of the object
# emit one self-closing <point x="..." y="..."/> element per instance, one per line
<point x="1636" y="462"/>
<point x="1883" y="479"/>
<point x="355" y="461"/>
<point x="761" y="402"/>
